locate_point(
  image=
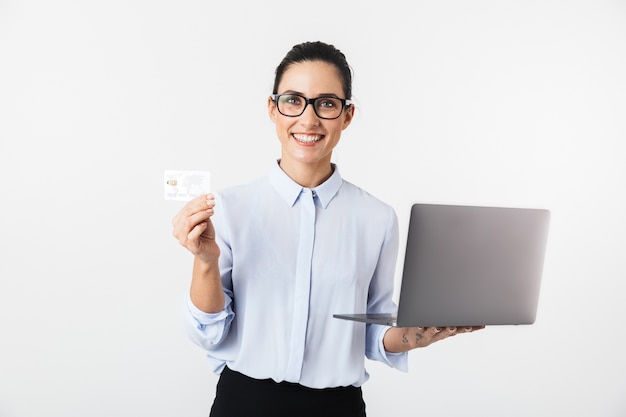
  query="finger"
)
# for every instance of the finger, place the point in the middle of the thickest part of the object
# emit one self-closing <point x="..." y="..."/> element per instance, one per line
<point x="194" y="236"/>
<point x="469" y="329"/>
<point x="432" y="331"/>
<point x="201" y="203"/>
<point x="209" y="200"/>
<point x="183" y="226"/>
<point x="196" y="205"/>
<point x="443" y="333"/>
<point x="451" y="330"/>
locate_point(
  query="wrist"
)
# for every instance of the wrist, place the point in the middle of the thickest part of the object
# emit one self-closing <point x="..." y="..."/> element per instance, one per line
<point x="396" y="340"/>
<point x="205" y="266"/>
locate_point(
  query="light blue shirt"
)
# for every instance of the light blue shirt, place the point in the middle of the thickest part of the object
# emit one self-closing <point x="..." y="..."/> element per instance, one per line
<point x="291" y="257"/>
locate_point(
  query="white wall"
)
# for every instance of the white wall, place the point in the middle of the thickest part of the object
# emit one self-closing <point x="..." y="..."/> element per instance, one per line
<point x="488" y="102"/>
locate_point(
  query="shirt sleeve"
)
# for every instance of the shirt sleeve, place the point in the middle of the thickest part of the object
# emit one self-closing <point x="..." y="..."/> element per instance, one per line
<point x="207" y="330"/>
<point x="380" y="299"/>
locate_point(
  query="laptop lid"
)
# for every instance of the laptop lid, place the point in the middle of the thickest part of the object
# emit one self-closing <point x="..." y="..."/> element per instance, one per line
<point x="469" y="266"/>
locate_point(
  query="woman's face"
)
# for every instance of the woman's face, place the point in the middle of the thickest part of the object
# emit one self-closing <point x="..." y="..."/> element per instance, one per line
<point x="308" y="139"/>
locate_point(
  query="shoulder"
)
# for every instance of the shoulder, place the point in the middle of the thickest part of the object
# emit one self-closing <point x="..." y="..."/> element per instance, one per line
<point x="352" y="191"/>
<point x="359" y="200"/>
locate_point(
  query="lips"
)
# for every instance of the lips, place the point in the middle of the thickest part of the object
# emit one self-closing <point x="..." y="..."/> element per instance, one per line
<point x="306" y="138"/>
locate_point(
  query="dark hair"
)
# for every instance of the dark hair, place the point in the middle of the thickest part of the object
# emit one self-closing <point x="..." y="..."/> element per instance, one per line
<point x="317" y="51"/>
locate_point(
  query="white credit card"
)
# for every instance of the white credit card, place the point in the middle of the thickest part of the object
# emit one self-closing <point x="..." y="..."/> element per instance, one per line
<point x="185" y="185"/>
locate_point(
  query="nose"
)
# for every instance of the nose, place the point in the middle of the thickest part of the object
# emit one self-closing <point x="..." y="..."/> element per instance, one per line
<point x="309" y="117"/>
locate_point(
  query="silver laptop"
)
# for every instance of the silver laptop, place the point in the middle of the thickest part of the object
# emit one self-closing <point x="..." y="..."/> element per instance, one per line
<point x="469" y="266"/>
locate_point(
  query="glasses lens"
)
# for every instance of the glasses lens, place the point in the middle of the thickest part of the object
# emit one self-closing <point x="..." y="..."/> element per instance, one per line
<point x="291" y="104"/>
<point x="328" y="107"/>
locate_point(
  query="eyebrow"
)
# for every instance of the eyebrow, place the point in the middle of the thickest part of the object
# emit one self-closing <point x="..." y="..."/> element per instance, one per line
<point x="333" y="95"/>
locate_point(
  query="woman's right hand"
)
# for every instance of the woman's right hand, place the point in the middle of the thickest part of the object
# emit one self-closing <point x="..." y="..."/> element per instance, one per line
<point x="194" y="230"/>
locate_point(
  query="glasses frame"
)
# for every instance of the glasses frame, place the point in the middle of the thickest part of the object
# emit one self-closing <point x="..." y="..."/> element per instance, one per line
<point x="344" y="103"/>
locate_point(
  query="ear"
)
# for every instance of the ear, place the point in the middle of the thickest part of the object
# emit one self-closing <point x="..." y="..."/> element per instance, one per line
<point x="348" y="115"/>
<point x="271" y="109"/>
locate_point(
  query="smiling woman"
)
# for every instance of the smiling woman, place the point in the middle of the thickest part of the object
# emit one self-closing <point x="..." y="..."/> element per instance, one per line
<point x="307" y="140"/>
<point x="291" y="246"/>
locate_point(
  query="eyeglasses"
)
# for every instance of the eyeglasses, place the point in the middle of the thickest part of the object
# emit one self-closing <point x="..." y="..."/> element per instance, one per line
<point x="293" y="105"/>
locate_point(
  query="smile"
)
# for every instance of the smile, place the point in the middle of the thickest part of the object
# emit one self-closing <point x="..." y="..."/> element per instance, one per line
<point x="306" y="138"/>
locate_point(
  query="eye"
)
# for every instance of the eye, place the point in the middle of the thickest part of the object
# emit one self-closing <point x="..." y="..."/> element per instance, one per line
<point x="291" y="99"/>
<point x="328" y="103"/>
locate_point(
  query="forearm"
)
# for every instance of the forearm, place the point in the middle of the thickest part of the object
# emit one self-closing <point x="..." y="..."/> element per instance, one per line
<point x="206" y="290"/>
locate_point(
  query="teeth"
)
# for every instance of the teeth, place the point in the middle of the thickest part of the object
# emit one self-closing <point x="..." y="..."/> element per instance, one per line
<point x="307" y="138"/>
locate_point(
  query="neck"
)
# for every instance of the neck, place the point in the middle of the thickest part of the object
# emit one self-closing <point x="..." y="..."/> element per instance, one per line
<point x="307" y="175"/>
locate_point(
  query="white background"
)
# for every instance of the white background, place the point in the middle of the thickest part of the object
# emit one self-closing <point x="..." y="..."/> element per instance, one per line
<point x="487" y="102"/>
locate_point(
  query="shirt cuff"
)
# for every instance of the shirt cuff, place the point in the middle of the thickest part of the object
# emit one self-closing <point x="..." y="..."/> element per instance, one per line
<point x="399" y="361"/>
<point x="205" y="319"/>
<point x="208" y="329"/>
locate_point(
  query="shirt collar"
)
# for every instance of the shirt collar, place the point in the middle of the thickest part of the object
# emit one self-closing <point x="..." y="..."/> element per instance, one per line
<point x="289" y="190"/>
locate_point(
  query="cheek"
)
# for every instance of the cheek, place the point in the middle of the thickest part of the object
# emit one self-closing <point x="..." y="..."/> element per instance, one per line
<point x="282" y="128"/>
<point x="335" y="129"/>
<point x="284" y="125"/>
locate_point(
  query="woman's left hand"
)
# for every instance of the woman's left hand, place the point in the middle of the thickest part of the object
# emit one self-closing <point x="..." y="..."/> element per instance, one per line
<point x="402" y="339"/>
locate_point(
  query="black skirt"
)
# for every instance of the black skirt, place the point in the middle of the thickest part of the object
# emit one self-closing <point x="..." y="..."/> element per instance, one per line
<point x="238" y="395"/>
